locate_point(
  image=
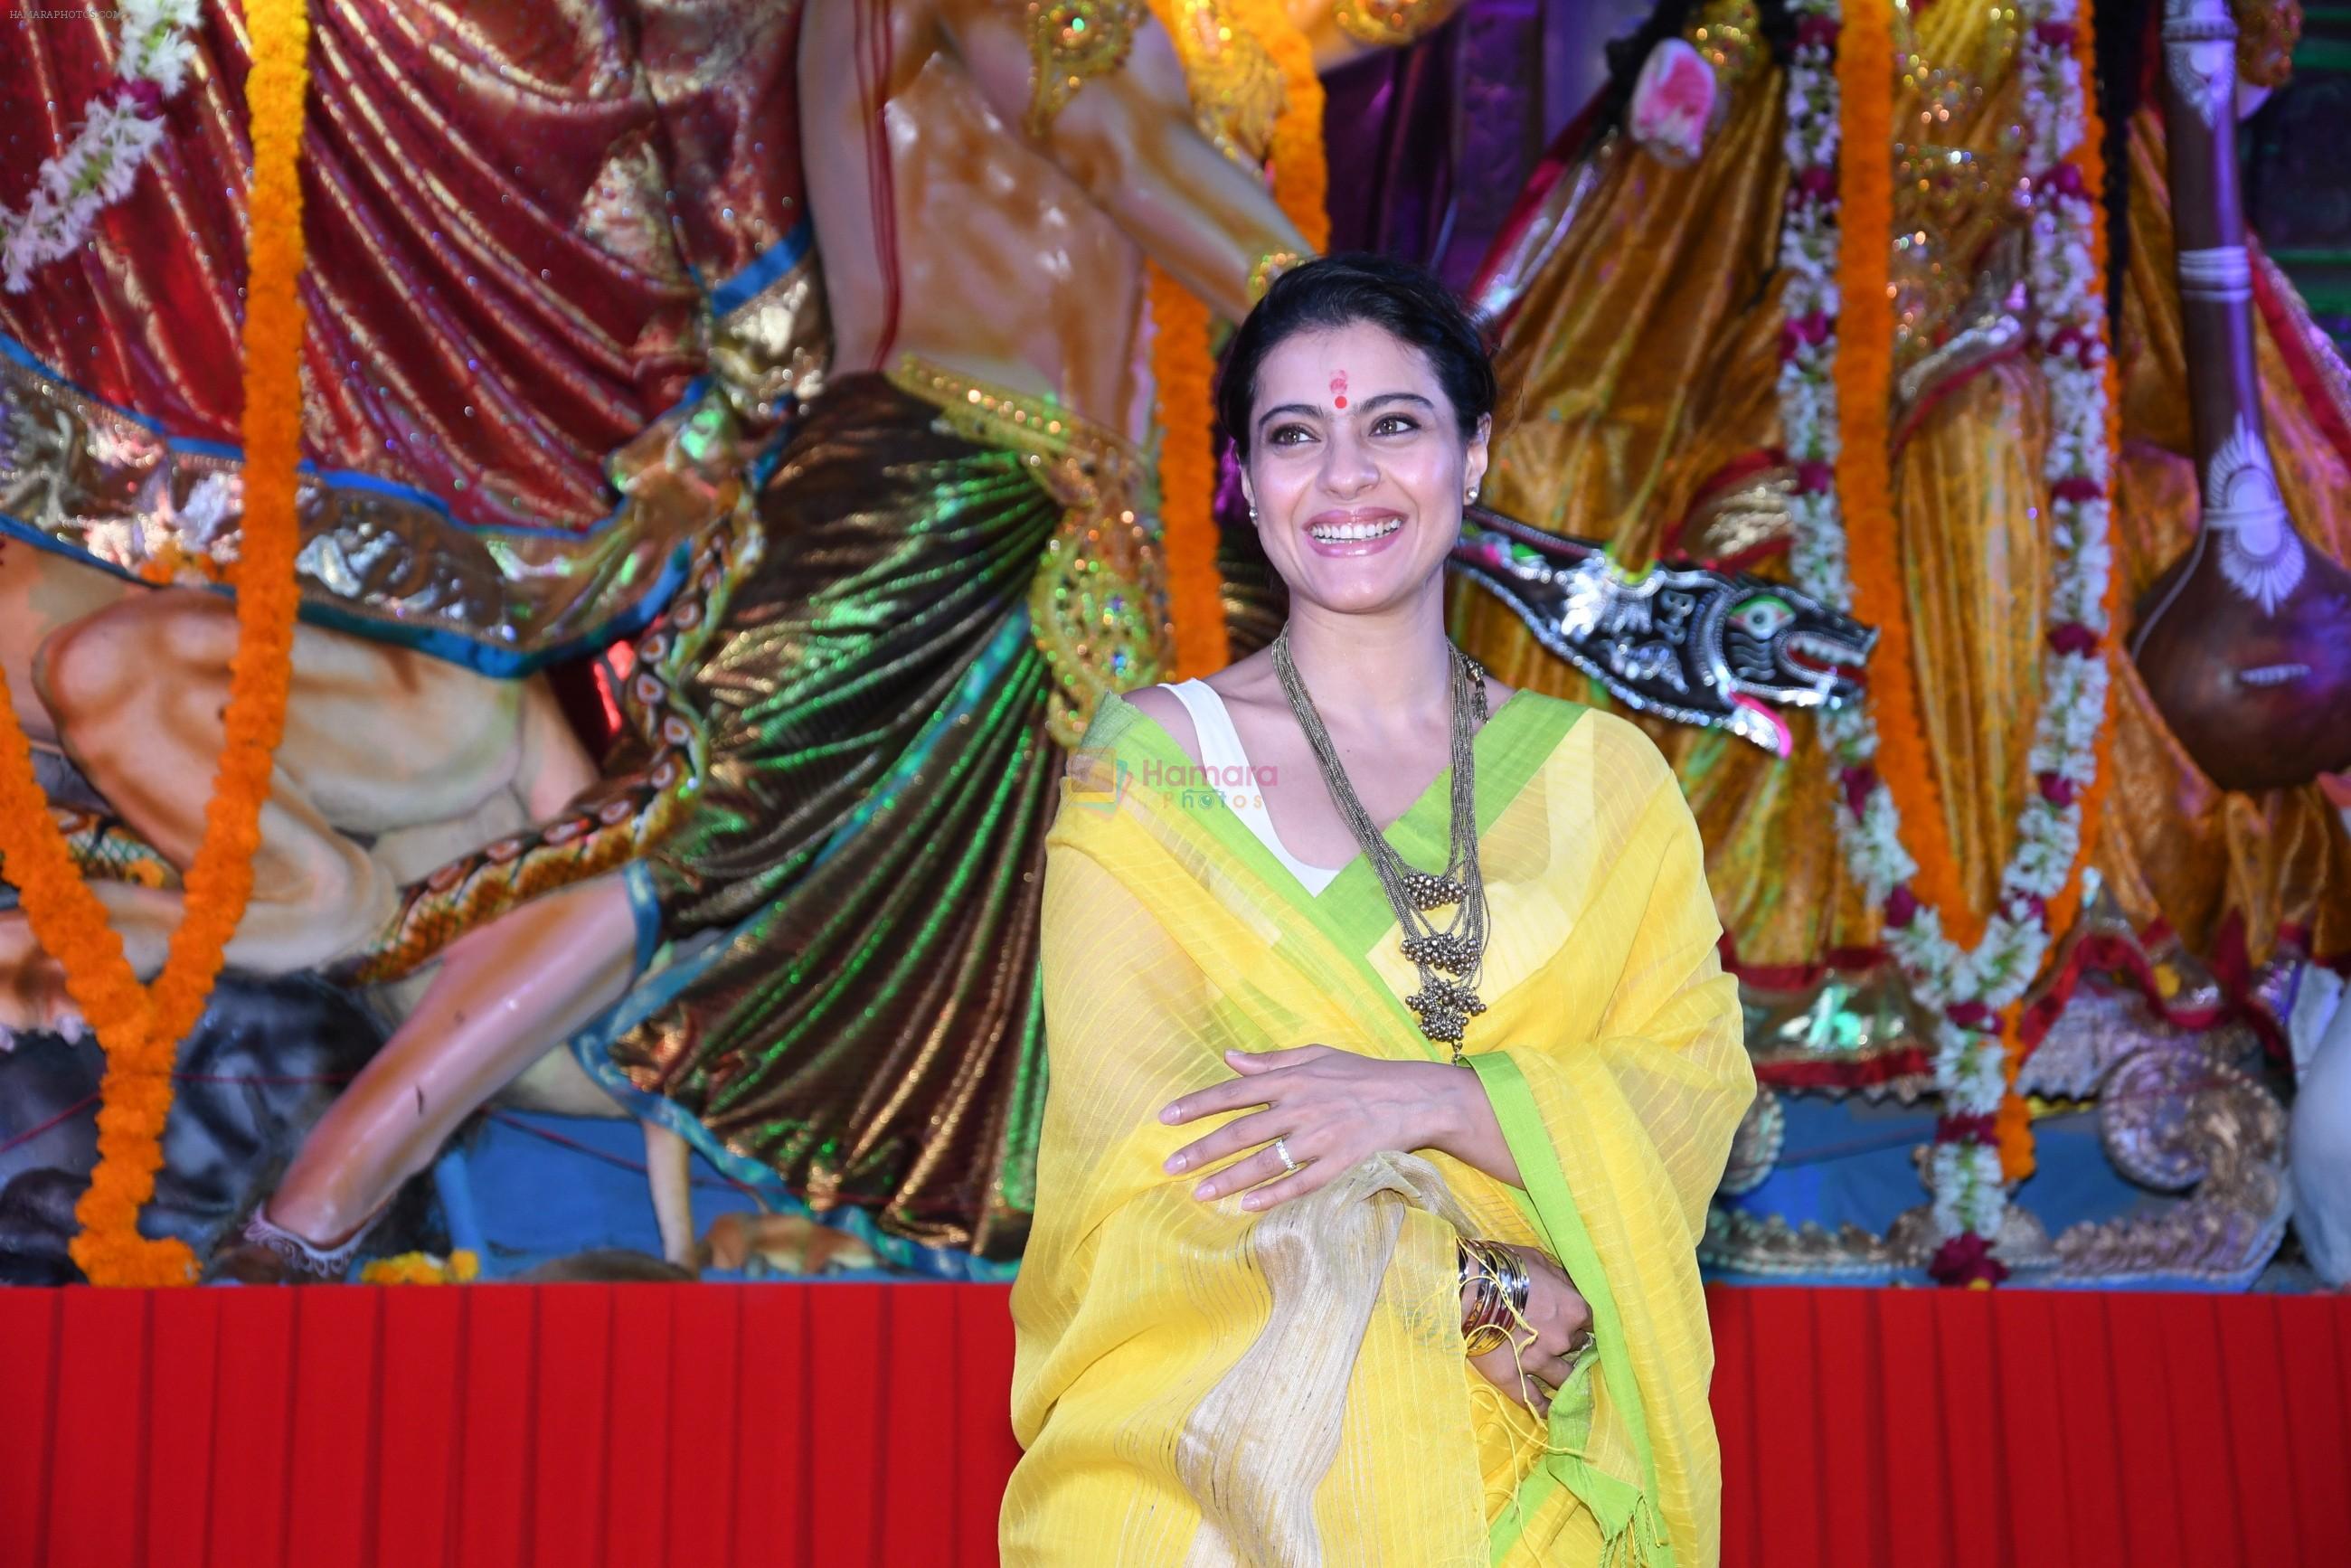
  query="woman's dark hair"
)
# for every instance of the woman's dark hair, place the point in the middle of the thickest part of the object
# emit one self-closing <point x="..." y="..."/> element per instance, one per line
<point x="1406" y="302"/>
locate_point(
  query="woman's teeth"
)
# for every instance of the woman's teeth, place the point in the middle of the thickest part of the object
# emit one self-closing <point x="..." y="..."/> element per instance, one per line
<point x="1347" y="533"/>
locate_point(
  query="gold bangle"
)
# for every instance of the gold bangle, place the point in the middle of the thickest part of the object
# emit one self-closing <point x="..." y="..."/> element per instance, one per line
<point x="1269" y="266"/>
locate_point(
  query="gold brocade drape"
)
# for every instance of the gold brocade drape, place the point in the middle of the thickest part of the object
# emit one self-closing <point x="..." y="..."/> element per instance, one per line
<point x="1198" y="1385"/>
<point x="1642" y="359"/>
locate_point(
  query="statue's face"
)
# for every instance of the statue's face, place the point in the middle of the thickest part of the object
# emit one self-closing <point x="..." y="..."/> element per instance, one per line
<point x="1357" y="468"/>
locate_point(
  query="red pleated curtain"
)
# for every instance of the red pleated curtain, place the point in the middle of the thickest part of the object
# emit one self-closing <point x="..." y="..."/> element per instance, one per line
<point x="495" y="1426"/>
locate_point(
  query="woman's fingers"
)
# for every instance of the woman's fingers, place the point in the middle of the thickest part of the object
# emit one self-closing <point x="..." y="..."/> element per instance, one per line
<point x="1242" y="1133"/>
<point x="1230" y="1095"/>
<point x="1266" y="1061"/>
<point x="1309" y="1175"/>
<point x="1260" y="1167"/>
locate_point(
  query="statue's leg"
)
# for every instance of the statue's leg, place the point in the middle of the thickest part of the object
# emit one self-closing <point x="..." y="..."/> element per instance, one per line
<point x="377" y="739"/>
<point x="505" y="994"/>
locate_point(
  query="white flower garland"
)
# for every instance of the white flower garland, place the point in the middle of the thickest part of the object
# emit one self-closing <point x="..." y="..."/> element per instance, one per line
<point x="102" y="163"/>
<point x="1967" y="988"/>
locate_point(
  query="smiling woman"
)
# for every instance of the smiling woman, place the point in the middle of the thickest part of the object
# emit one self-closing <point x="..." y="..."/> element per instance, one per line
<point x="1301" y="1289"/>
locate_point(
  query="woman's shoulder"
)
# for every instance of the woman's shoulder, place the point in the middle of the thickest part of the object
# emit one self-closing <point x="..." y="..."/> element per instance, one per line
<point x="1124" y="721"/>
<point x="1618" y="747"/>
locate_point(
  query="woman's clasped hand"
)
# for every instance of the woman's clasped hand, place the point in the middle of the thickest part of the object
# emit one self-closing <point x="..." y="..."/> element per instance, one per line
<point x="1332" y="1108"/>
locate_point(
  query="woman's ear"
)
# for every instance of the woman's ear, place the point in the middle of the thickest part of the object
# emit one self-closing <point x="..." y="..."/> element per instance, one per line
<point x="1473" y="470"/>
<point x="1248" y="495"/>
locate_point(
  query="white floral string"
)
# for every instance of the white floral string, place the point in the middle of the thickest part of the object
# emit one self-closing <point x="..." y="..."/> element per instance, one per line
<point x="123" y="124"/>
<point x="1968" y="990"/>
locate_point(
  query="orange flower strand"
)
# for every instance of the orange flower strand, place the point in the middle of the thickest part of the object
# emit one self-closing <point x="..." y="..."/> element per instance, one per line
<point x="1183" y="372"/>
<point x="1301" y="170"/>
<point x="1865" y="380"/>
<point x="141" y="1030"/>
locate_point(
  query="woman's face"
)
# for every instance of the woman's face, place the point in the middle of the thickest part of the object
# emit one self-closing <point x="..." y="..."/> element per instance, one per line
<point x="1357" y="468"/>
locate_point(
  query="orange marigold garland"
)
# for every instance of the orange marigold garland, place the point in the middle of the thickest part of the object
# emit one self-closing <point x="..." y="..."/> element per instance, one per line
<point x="1301" y="170"/>
<point x="1182" y="366"/>
<point x="1183" y="374"/>
<point x="140" y="1026"/>
<point x="1864" y="383"/>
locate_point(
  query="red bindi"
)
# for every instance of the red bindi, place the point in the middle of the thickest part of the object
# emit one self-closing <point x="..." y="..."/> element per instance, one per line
<point x="1339" y="390"/>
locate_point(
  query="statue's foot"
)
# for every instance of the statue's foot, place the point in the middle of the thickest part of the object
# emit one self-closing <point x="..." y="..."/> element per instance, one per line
<point x="264" y="1253"/>
<point x="32" y="999"/>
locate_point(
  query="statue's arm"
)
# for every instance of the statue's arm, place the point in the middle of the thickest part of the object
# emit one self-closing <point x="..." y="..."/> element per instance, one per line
<point x="1127" y="138"/>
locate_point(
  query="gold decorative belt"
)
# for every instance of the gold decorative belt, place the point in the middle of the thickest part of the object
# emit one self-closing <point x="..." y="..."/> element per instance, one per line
<point x="1098" y="602"/>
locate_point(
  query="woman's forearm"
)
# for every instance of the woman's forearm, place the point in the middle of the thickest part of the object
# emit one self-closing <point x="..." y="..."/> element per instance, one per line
<point x="1464" y="1125"/>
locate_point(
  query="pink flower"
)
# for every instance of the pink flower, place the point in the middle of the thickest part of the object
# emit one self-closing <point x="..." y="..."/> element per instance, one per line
<point x="2073" y="637"/>
<point x="1816" y="478"/>
<point x="1817" y="183"/>
<point x="144" y="96"/>
<point x="1673" y="102"/>
<point x="2057" y="789"/>
<point x="1972" y="1015"/>
<point x="1810" y="328"/>
<point x="1958" y="1129"/>
<point x="1858" y="782"/>
<point x="1966" y="1259"/>
<point x="1901" y="908"/>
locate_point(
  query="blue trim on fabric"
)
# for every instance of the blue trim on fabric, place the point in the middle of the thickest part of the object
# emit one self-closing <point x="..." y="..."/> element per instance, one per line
<point x="454" y="1185"/>
<point x="769" y="458"/>
<point x="768" y="265"/>
<point x="452" y="647"/>
<point x="16" y="527"/>
<point x="348" y="478"/>
<point x="501" y="663"/>
<point x="644" y="907"/>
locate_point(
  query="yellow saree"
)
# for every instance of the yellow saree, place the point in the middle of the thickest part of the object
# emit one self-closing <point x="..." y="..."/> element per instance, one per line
<point x="1198" y="1385"/>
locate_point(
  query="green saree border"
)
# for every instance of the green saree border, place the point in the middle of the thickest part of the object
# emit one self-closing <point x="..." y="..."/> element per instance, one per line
<point x="1550" y="1207"/>
<point x="1509" y="750"/>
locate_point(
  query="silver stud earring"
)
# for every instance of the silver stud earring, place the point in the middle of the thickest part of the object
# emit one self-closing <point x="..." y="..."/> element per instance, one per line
<point x="1471" y="498"/>
<point x="1252" y="512"/>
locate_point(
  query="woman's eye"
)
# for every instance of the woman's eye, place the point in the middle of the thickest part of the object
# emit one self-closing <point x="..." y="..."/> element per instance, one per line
<point x="1290" y="435"/>
<point x="1392" y="424"/>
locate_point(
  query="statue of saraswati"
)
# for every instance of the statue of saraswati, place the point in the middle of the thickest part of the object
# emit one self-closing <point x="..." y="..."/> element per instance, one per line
<point x="1644" y="292"/>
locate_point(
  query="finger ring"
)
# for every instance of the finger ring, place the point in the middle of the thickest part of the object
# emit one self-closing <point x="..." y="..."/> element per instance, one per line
<point x="1282" y="1149"/>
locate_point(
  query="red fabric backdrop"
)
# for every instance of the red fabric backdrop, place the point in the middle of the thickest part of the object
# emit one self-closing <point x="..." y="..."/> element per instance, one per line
<point x="839" y="1425"/>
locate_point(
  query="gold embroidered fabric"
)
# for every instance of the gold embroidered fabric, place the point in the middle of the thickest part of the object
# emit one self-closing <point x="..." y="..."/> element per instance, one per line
<point x="1729" y="33"/>
<point x="1098" y="604"/>
<point x="1236" y="88"/>
<point x="1070" y="41"/>
<point x="1391" y="24"/>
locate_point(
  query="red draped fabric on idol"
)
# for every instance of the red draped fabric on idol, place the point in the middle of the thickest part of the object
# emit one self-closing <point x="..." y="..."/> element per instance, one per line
<point x="866" y="1424"/>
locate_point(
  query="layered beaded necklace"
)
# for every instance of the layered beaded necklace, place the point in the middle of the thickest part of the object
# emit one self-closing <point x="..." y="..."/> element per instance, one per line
<point x="1444" y="1006"/>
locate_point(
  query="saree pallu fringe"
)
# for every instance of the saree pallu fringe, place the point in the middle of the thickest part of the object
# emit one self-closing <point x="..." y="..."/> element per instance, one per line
<point x="1197" y="1385"/>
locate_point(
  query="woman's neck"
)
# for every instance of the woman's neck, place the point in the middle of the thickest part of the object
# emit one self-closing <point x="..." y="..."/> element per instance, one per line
<point x="1397" y="662"/>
